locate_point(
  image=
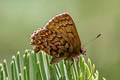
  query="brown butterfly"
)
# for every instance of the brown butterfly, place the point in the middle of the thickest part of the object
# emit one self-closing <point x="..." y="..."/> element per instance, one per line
<point x="58" y="38"/>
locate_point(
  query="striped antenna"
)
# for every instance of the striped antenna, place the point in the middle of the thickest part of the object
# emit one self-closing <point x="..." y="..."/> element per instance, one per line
<point x="85" y="45"/>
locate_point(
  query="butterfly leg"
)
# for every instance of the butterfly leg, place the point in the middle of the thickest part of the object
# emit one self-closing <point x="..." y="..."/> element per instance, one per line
<point x="70" y="63"/>
<point x="56" y="59"/>
<point x="75" y="59"/>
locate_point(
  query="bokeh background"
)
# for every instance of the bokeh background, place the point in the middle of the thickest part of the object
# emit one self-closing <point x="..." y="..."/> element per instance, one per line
<point x="19" y="18"/>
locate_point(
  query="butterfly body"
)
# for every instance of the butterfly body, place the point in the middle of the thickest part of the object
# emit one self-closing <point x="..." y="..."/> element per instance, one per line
<point x="59" y="38"/>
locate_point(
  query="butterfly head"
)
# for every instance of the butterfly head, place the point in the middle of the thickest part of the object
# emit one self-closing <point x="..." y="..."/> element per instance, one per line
<point x="83" y="51"/>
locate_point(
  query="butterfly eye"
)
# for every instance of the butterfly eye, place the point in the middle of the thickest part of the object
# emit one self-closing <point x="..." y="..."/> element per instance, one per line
<point x="83" y="51"/>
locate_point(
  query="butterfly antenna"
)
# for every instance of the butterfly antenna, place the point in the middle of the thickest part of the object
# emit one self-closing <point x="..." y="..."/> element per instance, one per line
<point x="91" y="40"/>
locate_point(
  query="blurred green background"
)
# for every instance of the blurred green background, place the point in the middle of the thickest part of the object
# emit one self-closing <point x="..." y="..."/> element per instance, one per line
<point x="19" y="18"/>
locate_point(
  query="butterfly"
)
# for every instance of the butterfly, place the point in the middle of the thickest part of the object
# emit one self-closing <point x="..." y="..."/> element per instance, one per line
<point x="58" y="38"/>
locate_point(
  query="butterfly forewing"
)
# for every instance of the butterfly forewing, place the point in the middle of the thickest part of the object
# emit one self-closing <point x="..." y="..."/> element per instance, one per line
<point x="64" y="24"/>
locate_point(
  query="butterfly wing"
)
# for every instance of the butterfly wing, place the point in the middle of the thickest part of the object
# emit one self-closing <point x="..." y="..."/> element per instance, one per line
<point x="64" y="24"/>
<point x="58" y="38"/>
